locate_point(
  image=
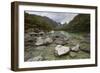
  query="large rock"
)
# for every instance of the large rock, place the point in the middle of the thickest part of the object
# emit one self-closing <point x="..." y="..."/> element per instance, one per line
<point x="39" y="41"/>
<point x="60" y="41"/>
<point x="61" y="50"/>
<point x="59" y="38"/>
<point x="43" y="40"/>
<point x="76" y="48"/>
<point x="48" y="40"/>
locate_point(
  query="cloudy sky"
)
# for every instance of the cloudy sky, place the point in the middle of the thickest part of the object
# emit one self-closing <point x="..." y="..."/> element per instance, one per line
<point x="60" y="17"/>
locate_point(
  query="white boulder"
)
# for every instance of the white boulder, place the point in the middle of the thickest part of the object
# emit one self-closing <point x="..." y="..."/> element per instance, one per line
<point x="39" y="41"/>
<point x="75" y="48"/>
<point x="61" y="50"/>
<point x="48" y="40"/>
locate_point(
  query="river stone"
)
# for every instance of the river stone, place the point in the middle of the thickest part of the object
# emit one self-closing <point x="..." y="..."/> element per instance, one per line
<point x="75" y="48"/>
<point x="48" y="40"/>
<point x="72" y="54"/>
<point x="39" y="41"/>
<point x="61" y="50"/>
<point x="58" y="41"/>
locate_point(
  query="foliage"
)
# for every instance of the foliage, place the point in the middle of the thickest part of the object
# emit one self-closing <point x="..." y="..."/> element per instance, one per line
<point x="80" y="23"/>
<point x="38" y="22"/>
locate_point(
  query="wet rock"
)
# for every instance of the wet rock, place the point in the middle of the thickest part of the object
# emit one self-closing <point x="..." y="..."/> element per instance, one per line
<point x="39" y="41"/>
<point x="76" y="48"/>
<point x="72" y="54"/>
<point x="58" y="41"/>
<point x="61" y="50"/>
<point x="48" y="40"/>
<point x="43" y="40"/>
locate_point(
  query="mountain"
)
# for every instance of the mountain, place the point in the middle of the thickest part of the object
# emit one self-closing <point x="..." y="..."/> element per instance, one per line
<point x="50" y="21"/>
<point x="80" y="23"/>
<point x="39" y="22"/>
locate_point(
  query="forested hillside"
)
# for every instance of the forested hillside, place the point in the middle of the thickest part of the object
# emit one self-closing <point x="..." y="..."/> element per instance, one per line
<point x="80" y="23"/>
<point x="39" y="22"/>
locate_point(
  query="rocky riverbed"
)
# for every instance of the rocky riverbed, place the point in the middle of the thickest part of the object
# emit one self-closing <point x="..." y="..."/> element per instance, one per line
<point x="56" y="45"/>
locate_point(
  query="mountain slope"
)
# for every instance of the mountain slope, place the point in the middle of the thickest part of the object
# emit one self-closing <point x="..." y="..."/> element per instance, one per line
<point x="41" y="22"/>
<point x="80" y="23"/>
